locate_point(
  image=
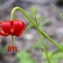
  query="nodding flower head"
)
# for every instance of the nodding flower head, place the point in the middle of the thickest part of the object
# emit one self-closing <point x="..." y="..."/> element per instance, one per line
<point x="13" y="28"/>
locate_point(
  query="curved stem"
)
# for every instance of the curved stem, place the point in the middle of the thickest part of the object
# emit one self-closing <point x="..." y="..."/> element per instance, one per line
<point x="41" y="31"/>
<point x="20" y="9"/>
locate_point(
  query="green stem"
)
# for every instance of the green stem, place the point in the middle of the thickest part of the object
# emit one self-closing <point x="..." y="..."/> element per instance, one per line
<point x="51" y="40"/>
<point x="47" y="55"/>
<point x="20" y="9"/>
<point x="41" y="31"/>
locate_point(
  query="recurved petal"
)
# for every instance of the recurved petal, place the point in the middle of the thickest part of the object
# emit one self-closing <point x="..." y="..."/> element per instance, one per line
<point x="6" y="26"/>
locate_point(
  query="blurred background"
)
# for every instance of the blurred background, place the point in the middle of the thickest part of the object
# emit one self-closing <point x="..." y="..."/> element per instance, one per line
<point x="43" y="8"/>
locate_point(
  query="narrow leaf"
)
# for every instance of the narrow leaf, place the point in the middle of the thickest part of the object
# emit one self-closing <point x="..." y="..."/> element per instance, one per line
<point x="35" y="46"/>
<point x="54" y="53"/>
<point x="28" y="27"/>
<point x="42" y="41"/>
<point x="41" y="17"/>
<point x="43" y="23"/>
<point x="58" y="11"/>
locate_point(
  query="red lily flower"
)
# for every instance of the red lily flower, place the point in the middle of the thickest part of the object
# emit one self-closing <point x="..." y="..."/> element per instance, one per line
<point x="14" y="28"/>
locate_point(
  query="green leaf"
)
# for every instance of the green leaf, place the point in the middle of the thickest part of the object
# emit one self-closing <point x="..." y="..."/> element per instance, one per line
<point x="43" y="23"/>
<point x="33" y="12"/>
<point x="61" y="44"/>
<point x="61" y="15"/>
<point x="58" y="11"/>
<point x="58" y="55"/>
<point x="27" y="61"/>
<point x="54" y="53"/>
<point x="25" y="57"/>
<point x="55" y="57"/>
<point x="28" y="27"/>
<point x="43" y="44"/>
<point x="44" y="56"/>
<point x="41" y="18"/>
<point x="52" y="61"/>
<point x="35" y="46"/>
